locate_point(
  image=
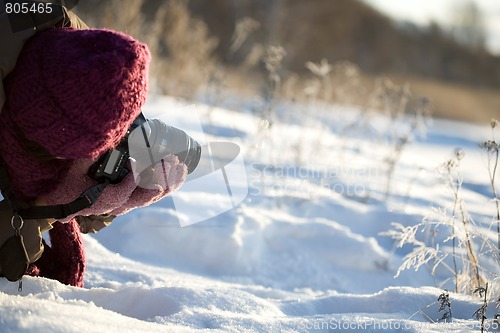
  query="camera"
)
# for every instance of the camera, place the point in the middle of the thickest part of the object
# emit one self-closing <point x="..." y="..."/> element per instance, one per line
<point x="145" y="144"/>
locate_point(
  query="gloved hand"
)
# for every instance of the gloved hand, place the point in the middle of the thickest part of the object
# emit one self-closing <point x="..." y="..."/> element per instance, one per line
<point x="117" y="199"/>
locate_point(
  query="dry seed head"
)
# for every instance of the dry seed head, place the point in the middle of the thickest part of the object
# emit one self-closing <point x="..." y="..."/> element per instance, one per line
<point x="244" y="27"/>
<point x="459" y="154"/>
<point x="450" y="165"/>
<point x="321" y="69"/>
<point x="493" y="122"/>
<point x="273" y="57"/>
<point x="490" y="146"/>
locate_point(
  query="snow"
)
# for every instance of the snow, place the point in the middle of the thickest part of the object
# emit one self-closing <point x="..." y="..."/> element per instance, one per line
<point x="302" y="252"/>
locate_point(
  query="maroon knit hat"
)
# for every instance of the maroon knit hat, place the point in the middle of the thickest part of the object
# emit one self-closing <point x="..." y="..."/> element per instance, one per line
<point x="76" y="92"/>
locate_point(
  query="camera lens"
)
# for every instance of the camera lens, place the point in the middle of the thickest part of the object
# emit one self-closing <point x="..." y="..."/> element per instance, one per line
<point x="154" y="140"/>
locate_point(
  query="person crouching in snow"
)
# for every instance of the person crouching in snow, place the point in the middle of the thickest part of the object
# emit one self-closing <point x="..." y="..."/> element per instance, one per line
<point x="71" y="98"/>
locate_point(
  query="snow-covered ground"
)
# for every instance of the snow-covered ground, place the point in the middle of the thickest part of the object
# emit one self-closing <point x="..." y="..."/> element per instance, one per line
<point x="302" y="253"/>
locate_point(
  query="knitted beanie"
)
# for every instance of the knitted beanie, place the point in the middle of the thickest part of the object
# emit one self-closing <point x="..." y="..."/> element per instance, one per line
<point x="84" y="85"/>
<point x="74" y="93"/>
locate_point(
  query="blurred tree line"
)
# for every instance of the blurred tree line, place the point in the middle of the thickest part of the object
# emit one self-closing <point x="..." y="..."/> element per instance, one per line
<point x="351" y="30"/>
<point x="332" y="29"/>
<point x="192" y="37"/>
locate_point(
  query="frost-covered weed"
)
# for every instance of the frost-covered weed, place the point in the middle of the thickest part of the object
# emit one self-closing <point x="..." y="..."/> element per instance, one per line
<point x="492" y="148"/>
<point x="480" y="313"/>
<point x="445" y="305"/>
<point x="405" y="120"/>
<point x="449" y="237"/>
<point x="444" y="302"/>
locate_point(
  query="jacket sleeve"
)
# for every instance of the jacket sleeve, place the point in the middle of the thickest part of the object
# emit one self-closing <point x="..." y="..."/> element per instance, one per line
<point x="94" y="223"/>
<point x="12" y="42"/>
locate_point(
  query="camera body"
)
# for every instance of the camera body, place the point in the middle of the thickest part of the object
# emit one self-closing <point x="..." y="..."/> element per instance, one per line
<point x="111" y="166"/>
<point x="149" y="141"/>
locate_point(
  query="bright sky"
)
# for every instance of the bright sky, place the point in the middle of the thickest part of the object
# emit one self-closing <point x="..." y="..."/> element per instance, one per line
<point x="422" y="11"/>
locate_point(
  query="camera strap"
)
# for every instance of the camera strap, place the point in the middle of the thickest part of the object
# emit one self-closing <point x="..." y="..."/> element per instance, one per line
<point x="85" y="200"/>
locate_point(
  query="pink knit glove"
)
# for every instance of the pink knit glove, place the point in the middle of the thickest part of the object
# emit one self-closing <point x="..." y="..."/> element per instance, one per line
<point x="117" y="199"/>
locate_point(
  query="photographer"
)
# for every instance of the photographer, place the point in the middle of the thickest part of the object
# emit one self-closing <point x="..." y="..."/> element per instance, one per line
<point x="68" y="96"/>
